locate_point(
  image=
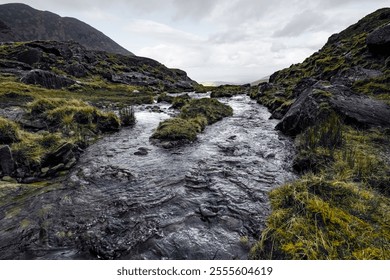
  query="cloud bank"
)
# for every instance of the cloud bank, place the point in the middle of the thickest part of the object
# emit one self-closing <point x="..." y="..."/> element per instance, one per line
<point x="228" y="40"/>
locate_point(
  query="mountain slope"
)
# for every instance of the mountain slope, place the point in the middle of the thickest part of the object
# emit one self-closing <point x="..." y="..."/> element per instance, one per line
<point x="336" y="104"/>
<point x="57" y="65"/>
<point x="19" y="22"/>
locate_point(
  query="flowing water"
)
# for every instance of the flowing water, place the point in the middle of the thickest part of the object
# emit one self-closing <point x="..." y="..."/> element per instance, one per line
<point x="130" y="199"/>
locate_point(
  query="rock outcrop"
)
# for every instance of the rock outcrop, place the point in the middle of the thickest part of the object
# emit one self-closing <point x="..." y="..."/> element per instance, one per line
<point x="378" y="41"/>
<point x="346" y="76"/>
<point x="315" y="103"/>
<point x="46" y="79"/>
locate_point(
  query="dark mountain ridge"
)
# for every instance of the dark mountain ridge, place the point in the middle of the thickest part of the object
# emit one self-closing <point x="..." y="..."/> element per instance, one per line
<point x="20" y="23"/>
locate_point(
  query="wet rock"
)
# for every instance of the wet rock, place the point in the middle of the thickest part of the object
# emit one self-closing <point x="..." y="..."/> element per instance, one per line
<point x="207" y="211"/>
<point x="45" y="170"/>
<point x="72" y="162"/>
<point x="30" y="180"/>
<point x="7" y="163"/>
<point x="55" y="169"/>
<point x="9" y="179"/>
<point x="46" y="79"/>
<point x="141" y="151"/>
<point x="63" y="155"/>
<point x="378" y="41"/>
<point x="270" y="156"/>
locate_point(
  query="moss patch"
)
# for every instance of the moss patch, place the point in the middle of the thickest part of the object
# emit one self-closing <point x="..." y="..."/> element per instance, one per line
<point x="194" y="116"/>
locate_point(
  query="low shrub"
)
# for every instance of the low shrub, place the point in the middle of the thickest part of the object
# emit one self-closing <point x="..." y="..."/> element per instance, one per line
<point x="127" y="116"/>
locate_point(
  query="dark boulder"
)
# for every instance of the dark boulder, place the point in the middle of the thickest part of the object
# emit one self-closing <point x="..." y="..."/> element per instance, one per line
<point x="302" y="85"/>
<point x="64" y="154"/>
<point x="46" y="79"/>
<point x="30" y="56"/>
<point x="141" y="151"/>
<point x="361" y="110"/>
<point x="77" y="70"/>
<point x="316" y="102"/>
<point x="378" y="41"/>
<point x="7" y="163"/>
<point x="351" y="75"/>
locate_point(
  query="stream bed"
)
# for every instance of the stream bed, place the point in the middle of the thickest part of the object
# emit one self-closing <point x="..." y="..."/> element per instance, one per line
<point x="129" y="199"/>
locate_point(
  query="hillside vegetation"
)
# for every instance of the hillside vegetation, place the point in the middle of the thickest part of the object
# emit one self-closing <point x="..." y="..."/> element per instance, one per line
<point x="336" y="105"/>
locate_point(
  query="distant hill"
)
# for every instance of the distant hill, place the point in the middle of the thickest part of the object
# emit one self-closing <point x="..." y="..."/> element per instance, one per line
<point x="20" y="22"/>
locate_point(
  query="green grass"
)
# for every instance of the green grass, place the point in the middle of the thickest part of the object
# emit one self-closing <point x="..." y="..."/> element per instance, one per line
<point x="194" y="116"/>
<point x="9" y="131"/>
<point x="97" y="92"/>
<point x="180" y="129"/>
<point x="67" y="121"/>
<point x="68" y="115"/>
<point x="319" y="218"/>
<point x="340" y="208"/>
<point x="228" y="91"/>
<point x="210" y="108"/>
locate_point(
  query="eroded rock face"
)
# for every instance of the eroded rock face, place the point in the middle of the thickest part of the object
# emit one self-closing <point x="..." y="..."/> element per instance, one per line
<point x="378" y="41"/>
<point x="349" y="76"/>
<point x="46" y="79"/>
<point x="7" y="163"/>
<point x="314" y="103"/>
<point x="63" y="155"/>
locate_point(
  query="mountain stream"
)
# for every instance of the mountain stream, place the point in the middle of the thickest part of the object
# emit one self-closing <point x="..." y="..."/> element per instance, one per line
<point x="129" y="199"/>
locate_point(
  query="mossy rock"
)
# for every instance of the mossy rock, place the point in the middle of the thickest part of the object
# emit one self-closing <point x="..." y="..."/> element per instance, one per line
<point x="180" y="129"/>
<point x="210" y="108"/>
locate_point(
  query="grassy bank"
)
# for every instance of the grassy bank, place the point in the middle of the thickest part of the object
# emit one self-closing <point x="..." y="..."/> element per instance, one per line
<point x="340" y="207"/>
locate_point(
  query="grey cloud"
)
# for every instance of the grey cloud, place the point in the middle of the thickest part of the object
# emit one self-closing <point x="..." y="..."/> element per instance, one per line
<point x="231" y="36"/>
<point x="307" y="20"/>
<point x="278" y="46"/>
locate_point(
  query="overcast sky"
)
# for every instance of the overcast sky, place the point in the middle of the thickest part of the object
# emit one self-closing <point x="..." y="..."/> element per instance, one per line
<point x="218" y="40"/>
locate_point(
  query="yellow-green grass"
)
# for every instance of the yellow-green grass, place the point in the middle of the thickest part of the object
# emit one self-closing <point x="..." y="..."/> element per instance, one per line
<point x="342" y="211"/>
<point x="97" y="92"/>
<point x="194" y="116"/>
<point x="180" y="129"/>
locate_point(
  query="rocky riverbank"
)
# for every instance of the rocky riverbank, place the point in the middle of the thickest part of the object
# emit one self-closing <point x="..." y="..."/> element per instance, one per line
<point x="336" y="104"/>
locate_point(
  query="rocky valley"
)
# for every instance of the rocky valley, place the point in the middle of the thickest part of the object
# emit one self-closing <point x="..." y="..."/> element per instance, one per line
<point x="107" y="155"/>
